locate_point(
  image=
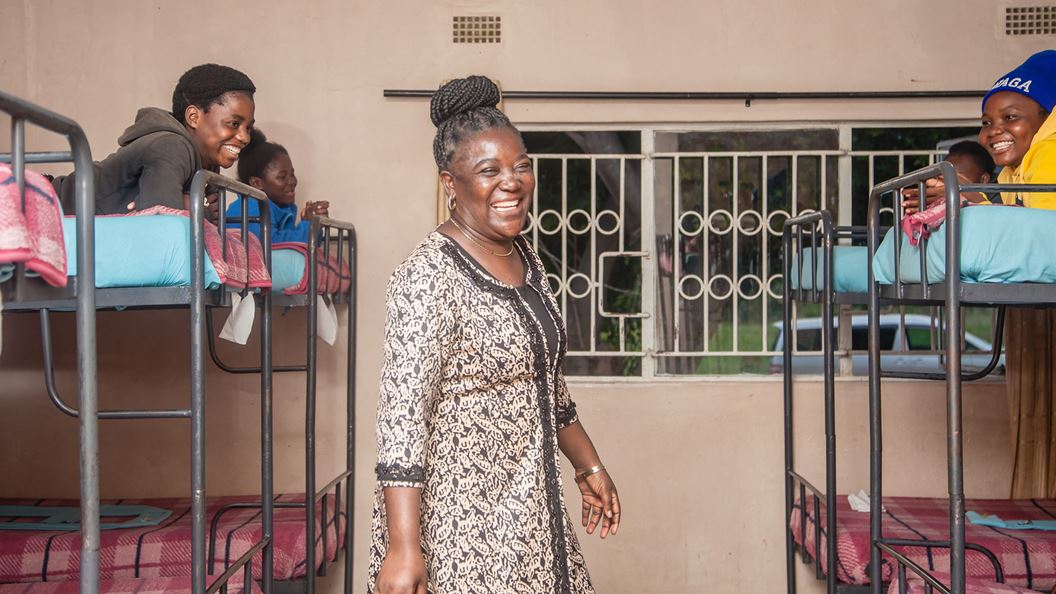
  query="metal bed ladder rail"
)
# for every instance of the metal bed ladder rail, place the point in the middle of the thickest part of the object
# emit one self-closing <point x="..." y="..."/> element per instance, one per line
<point x="201" y="180"/>
<point x="794" y="230"/>
<point x="22" y="111"/>
<point x="342" y="234"/>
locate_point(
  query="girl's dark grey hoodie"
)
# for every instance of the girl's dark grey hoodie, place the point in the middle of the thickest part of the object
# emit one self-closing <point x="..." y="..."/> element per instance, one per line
<point x="155" y="164"/>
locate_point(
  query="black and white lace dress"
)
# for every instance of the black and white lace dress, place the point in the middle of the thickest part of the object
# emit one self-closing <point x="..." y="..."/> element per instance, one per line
<point x="472" y="396"/>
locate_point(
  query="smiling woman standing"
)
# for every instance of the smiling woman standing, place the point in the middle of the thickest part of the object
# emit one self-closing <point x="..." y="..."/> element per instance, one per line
<point x="212" y="114"/>
<point x="473" y="406"/>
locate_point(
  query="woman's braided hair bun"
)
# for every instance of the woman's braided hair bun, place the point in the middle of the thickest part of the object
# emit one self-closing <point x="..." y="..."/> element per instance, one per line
<point x="462" y="108"/>
<point x="461" y="95"/>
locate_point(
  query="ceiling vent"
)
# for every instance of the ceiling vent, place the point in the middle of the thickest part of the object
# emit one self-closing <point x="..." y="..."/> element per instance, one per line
<point x="476" y="29"/>
<point x="1030" y="20"/>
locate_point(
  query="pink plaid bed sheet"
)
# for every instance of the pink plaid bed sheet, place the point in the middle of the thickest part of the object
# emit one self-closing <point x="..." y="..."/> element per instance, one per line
<point x="1027" y="557"/>
<point x="177" y="585"/>
<point x="915" y="585"/>
<point x="164" y="550"/>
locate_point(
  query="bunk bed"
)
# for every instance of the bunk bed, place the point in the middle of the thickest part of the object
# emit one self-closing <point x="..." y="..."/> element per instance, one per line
<point x="23" y="292"/>
<point x="948" y="271"/>
<point x="238" y="536"/>
<point x="823" y="266"/>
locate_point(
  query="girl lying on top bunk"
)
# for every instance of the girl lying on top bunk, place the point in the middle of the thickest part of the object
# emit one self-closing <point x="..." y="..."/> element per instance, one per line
<point x="267" y="166"/>
<point x="212" y="114"/>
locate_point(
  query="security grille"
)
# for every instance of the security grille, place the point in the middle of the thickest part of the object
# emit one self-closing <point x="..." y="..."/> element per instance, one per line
<point x="1030" y="20"/>
<point x="668" y="262"/>
<point x="476" y="29"/>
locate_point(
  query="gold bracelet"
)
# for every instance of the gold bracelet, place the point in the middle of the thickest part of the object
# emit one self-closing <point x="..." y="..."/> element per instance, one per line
<point x="582" y="474"/>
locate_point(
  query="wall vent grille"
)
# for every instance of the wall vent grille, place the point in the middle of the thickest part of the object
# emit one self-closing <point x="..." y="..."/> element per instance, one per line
<point x="1030" y="20"/>
<point x="476" y="29"/>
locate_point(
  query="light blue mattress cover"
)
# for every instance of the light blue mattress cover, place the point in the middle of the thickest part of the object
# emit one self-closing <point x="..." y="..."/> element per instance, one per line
<point x="849" y="272"/>
<point x="287" y="268"/>
<point x="147" y="251"/>
<point x="152" y="251"/>
<point x="999" y="244"/>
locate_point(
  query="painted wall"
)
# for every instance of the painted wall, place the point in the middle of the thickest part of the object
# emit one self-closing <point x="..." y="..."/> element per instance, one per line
<point x="698" y="462"/>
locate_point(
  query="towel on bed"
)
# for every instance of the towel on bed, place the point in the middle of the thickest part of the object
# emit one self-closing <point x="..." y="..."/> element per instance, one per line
<point x="236" y="269"/>
<point x="920" y="224"/>
<point x="33" y="237"/>
<point x="330" y="279"/>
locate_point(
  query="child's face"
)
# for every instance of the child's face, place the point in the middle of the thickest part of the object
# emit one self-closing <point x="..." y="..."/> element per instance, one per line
<point x="279" y="181"/>
<point x="223" y="131"/>
<point x="1010" y="121"/>
<point x="968" y="170"/>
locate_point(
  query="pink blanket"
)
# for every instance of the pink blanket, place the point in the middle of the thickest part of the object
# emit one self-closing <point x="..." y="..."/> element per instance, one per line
<point x="329" y="278"/>
<point x="164" y="551"/>
<point x="33" y="237"/>
<point x="915" y="585"/>
<point x="175" y="585"/>
<point x="1027" y="557"/>
<point x="237" y="269"/>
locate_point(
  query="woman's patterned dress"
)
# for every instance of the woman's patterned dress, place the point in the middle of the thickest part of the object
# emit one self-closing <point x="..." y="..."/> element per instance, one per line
<point x="470" y="404"/>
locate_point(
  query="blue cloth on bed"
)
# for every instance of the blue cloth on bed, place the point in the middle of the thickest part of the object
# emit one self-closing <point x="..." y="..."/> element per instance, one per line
<point x="999" y="244"/>
<point x="287" y="268"/>
<point x="996" y="522"/>
<point x="849" y="272"/>
<point x="141" y="251"/>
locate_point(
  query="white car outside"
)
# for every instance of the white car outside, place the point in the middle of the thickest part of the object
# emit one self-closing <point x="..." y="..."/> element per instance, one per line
<point x="918" y="355"/>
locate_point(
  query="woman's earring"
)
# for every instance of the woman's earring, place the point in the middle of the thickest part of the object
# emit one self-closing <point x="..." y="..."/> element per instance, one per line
<point x="451" y="202"/>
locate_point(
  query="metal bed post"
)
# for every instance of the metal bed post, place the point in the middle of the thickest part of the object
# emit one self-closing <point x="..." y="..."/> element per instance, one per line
<point x="309" y="413"/>
<point x="828" y="352"/>
<point x="953" y="377"/>
<point x="786" y="290"/>
<point x="84" y="190"/>
<point x="350" y="373"/>
<point x="198" y="185"/>
<point x="267" y="462"/>
<point x="876" y="458"/>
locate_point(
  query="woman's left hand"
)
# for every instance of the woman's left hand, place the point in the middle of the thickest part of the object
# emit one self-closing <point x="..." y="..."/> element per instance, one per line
<point x="600" y="503"/>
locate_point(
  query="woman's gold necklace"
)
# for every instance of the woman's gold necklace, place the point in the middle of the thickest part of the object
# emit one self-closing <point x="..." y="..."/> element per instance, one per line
<point x="480" y="245"/>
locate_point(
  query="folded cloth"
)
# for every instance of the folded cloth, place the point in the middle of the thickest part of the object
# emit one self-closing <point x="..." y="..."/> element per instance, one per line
<point x="997" y="522"/>
<point x="859" y="501"/>
<point x="32" y="235"/>
<point x="330" y="278"/>
<point x="236" y="268"/>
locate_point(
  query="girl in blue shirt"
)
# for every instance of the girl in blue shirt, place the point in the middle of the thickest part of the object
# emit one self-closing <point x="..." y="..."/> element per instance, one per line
<point x="267" y="166"/>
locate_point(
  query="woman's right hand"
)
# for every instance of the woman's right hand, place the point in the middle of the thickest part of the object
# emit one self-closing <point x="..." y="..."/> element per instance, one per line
<point x="402" y="572"/>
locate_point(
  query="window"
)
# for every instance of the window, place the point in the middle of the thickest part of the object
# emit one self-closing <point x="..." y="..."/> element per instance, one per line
<point x="663" y="246"/>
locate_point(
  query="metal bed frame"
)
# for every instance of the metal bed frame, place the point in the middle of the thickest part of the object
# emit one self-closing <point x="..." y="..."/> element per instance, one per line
<point x="952" y="293"/>
<point x="809" y="233"/>
<point x="339" y="237"/>
<point x="28" y="294"/>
